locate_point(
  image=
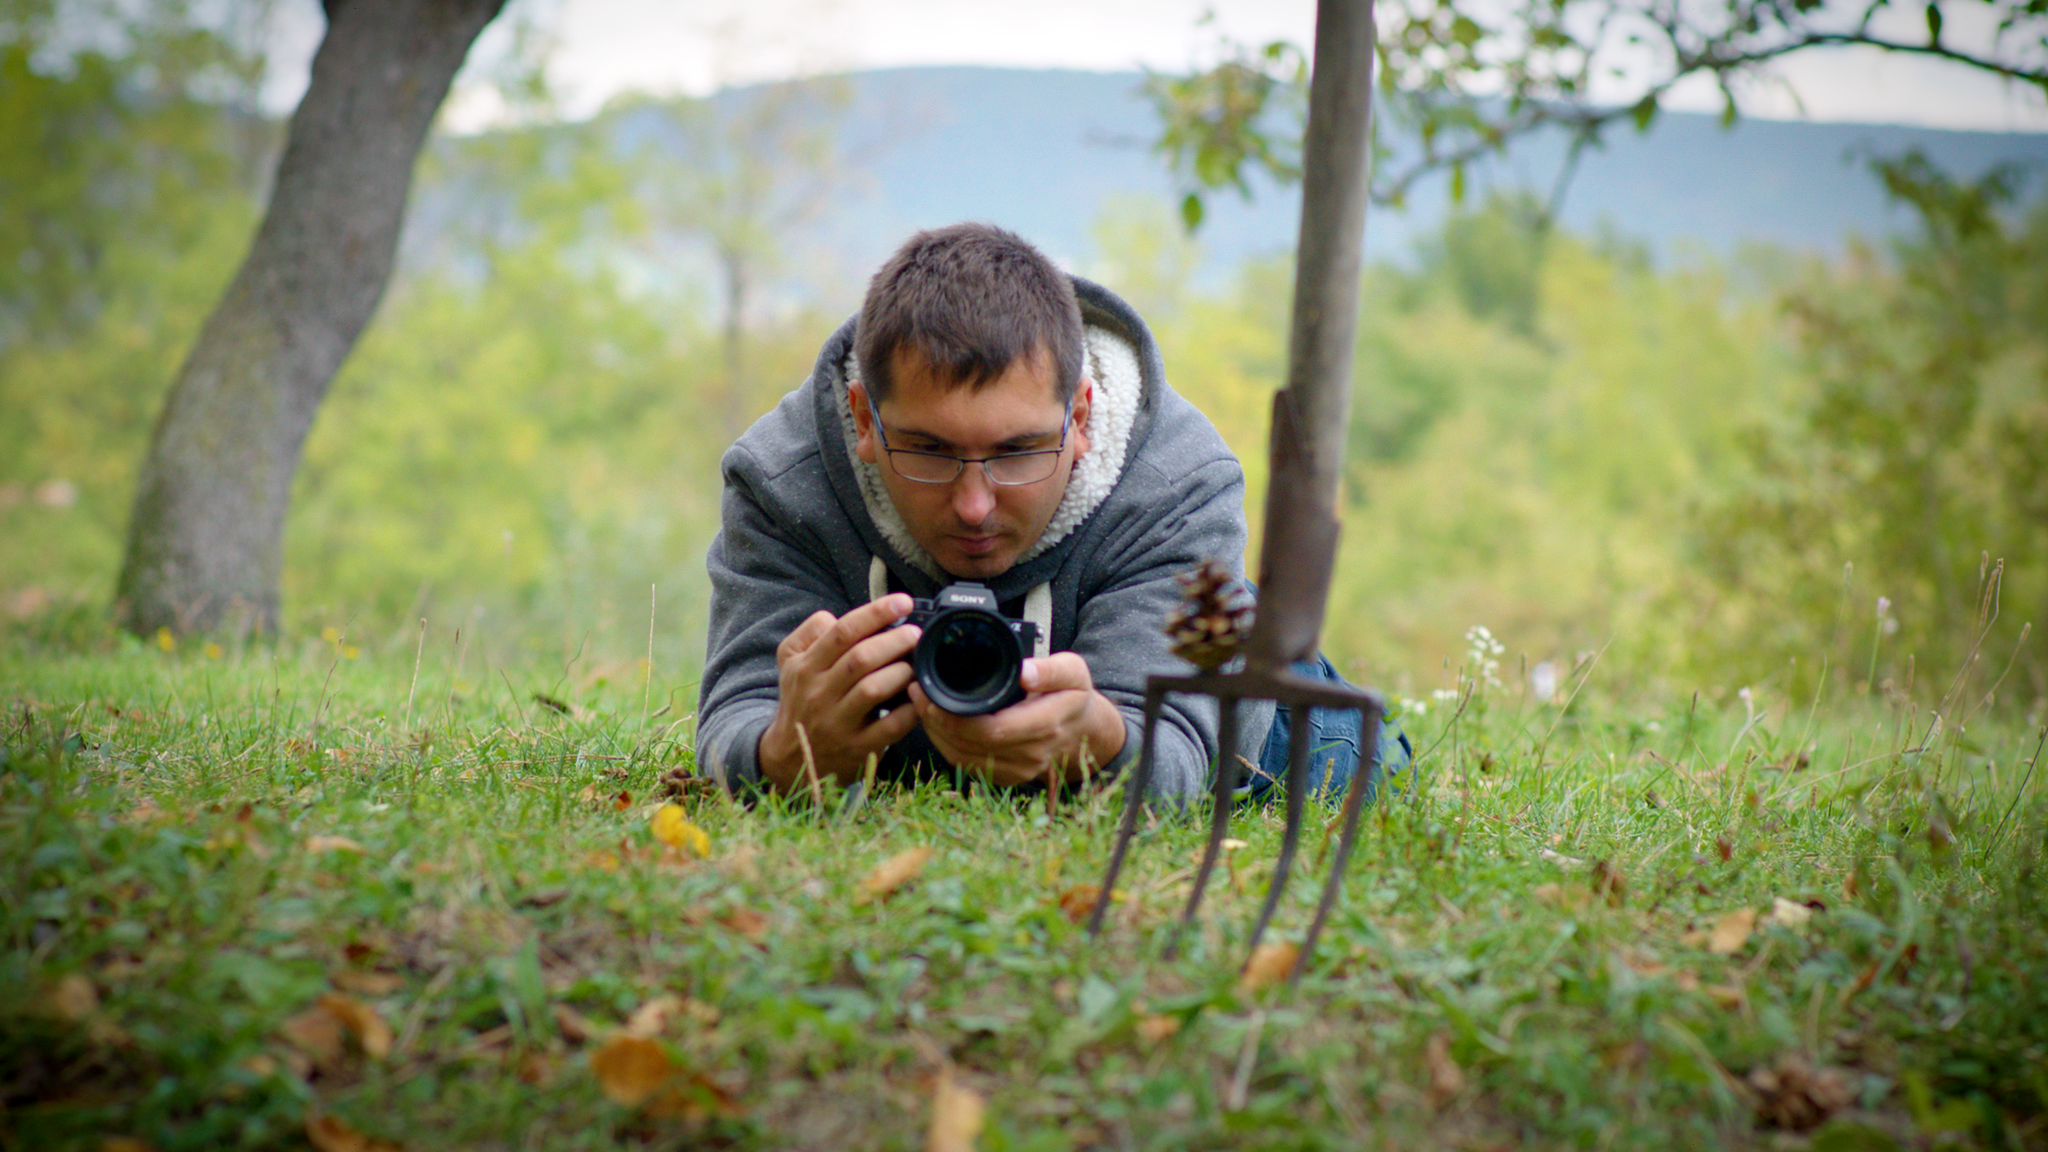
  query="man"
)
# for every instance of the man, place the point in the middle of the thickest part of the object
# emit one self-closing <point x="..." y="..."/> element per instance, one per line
<point x="984" y="418"/>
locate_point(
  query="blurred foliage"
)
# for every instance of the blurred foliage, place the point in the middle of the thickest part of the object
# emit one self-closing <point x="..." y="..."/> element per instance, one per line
<point x="1551" y="436"/>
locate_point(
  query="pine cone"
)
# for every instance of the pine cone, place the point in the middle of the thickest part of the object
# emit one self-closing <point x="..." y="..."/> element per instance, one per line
<point x="1218" y="613"/>
<point x="682" y="784"/>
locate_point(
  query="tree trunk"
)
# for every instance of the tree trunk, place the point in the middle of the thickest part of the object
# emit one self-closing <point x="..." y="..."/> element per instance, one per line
<point x="205" y="539"/>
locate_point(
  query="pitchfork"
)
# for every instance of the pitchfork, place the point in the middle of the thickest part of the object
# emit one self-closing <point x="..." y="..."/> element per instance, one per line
<point x="1299" y="546"/>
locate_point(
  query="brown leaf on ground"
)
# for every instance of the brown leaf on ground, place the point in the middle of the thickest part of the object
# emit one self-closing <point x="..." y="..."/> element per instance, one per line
<point x="1729" y="996"/>
<point x="575" y="1029"/>
<point x="692" y="1097"/>
<point x="1731" y="932"/>
<point x="125" y="1144"/>
<point x="1609" y="884"/>
<point x="1078" y="903"/>
<point x="1446" y="1079"/>
<point x="1271" y="963"/>
<point x="331" y="1135"/>
<point x="1796" y="1097"/>
<point x="317" y="1033"/>
<point x="368" y="983"/>
<point x="744" y="922"/>
<point x="1154" y="1028"/>
<point x="1726" y="849"/>
<point x="1788" y="913"/>
<point x="332" y="844"/>
<point x="73" y="999"/>
<point x="629" y="1068"/>
<point x="892" y="874"/>
<point x="363" y="1022"/>
<point x="654" y="1017"/>
<point x="957" y="1115"/>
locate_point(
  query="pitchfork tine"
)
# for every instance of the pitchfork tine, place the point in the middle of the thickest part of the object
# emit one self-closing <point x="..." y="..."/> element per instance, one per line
<point x="1219" y="816"/>
<point x="1354" y="804"/>
<point x="1134" y="798"/>
<point x="1297" y="797"/>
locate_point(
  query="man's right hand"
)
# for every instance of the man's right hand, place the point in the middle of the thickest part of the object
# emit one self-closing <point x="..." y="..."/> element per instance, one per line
<point x="834" y="673"/>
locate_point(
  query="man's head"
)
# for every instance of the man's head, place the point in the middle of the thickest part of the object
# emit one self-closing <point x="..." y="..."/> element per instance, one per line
<point x="969" y="347"/>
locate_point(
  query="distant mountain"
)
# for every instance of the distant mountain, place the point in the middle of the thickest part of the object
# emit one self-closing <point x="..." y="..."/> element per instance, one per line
<point x="1044" y="152"/>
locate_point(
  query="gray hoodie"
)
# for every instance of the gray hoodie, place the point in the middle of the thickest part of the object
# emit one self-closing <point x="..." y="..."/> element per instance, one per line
<point x="807" y="525"/>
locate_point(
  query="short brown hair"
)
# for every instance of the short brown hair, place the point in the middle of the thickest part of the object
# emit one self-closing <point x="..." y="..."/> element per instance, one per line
<point x="969" y="299"/>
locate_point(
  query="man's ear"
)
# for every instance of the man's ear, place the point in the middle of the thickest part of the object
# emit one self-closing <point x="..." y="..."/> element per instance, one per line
<point x="1084" y="402"/>
<point x="864" y="445"/>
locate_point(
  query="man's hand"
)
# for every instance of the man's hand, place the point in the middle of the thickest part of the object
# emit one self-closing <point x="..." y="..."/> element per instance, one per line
<point x="834" y="673"/>
<point x="1041" y="737"/>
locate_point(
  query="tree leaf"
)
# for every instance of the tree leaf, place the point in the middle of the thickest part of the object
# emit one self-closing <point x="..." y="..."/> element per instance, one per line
<point x="362" y="1021"/>
<point x="629" y="1068"/>
<point x="1731" y="932"/>
<point x="1270" y="964"/>
<point x="957" y="1116"/>
<point x="892" y="874"/>
<point x="672" y="828"/>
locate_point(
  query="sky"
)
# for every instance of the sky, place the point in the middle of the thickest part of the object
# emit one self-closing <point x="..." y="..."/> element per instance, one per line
<point x="601" y="48"/>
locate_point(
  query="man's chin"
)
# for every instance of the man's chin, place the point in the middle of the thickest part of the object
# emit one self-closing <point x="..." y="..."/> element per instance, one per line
<point x="964" y="564"/>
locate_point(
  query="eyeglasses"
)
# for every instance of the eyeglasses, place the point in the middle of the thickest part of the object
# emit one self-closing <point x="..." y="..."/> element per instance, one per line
<point x="1009" y="469"/>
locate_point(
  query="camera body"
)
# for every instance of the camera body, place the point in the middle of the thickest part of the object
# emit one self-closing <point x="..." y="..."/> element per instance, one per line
<point x="970" y="660"/>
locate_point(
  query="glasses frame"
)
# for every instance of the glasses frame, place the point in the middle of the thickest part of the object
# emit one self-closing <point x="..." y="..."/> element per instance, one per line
<point x="960" y="463"/>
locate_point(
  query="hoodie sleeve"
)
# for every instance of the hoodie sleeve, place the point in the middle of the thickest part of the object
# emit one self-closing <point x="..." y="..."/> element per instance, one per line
<point x="1198" y="515"/>
<point x="764" y="583"/>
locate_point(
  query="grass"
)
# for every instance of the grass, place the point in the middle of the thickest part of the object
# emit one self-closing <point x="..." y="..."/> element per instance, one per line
<point x="1545" y="938"/>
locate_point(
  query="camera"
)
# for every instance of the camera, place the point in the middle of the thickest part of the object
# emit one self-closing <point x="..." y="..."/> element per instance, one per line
<point x="970" y="660"/>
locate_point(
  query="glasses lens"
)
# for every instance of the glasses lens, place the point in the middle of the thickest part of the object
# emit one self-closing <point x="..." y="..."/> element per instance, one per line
<point x="924" y="467"/>
<point x="1022" y="467"/>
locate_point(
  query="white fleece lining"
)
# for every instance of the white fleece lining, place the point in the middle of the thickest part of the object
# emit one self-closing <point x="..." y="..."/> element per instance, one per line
<point x="1112" y="363"/>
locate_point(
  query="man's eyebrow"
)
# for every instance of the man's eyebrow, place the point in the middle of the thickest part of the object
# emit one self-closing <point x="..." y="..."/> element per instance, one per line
<point x="1013" y="443"/>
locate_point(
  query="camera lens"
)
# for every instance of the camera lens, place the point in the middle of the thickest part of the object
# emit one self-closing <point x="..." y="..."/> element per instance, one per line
<point x="968" y="662"/>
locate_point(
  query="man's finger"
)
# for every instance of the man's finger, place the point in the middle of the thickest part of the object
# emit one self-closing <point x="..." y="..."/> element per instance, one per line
<point x="804" y="635"/>
<point x="1059" y="672"/>
<point x="857" y="626"/>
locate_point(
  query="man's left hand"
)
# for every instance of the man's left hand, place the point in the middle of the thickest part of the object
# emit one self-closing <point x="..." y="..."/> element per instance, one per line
<point x="1041" y="737"/>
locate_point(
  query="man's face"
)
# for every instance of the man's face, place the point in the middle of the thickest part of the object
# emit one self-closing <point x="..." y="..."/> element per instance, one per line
<point x="974" y="528"/>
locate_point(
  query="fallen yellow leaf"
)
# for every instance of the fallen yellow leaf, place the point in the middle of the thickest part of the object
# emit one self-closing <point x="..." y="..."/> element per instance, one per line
<point x="1154" y="1028"/>
<point x="892" y="874"/>
<point x="1270" y="963"/>
<point x="629" y="1068"/>
<point x="331" y="1135"/>
<point x="74" y="999"/>
<point x="1731" y="932"/>
<point x="674" y="829"/>
<point x="957" y="1114"/>
<point x="316" y="1032"/>
<point x="332" y="844"/>
<point x="1446" y="1079"/>
<point x="362" y="1021"/>
<point x="1788" y="913"/>
<point x="1078" y="902"/>
<point x="653" y="1017"/>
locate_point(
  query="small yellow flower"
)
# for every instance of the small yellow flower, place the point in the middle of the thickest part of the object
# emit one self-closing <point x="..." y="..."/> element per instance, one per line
<point x="350" y="652"/>
<point x="213" y="651"/>
<point x="674" y="829"/>
<point x="331" y="634"/>
<point x="165" y="640"/>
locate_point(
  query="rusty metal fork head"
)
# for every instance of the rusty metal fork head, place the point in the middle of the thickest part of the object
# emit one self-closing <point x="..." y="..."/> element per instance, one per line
<point x="1231" y="689"/>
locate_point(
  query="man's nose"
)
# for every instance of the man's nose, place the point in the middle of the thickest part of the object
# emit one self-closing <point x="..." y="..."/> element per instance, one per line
<point x="974" y="494"/>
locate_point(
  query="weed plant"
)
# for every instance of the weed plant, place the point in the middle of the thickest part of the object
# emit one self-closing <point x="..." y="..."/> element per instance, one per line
<point x="1592" y="921"/>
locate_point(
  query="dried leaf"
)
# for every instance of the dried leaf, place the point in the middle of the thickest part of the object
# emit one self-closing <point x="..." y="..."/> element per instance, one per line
<point x="575" y="1029"/>
<point x="1788" y="913"/>
<point x="1729" y="996"/>
<point x="957" y="1114"/>
<point x="1270" y="963"/>
<point x="1154" y="1028"/>
<point x="674" y="829"/>
<point x="125" y="1144"/>
<point x="315" y="1032"/>
<point x="692" y="1097"/>
<point x="368" y="983"/>
<point x="1078" y="903"/>
<point x="744" y="922"/>
<point x="1731" y="932"/>
<point x="653" y="1017"/>
<point x="1609" y="884"/>
<point x="1446" y="1079"/>
<point x="629" y="1068"/>
<point x="1560" y="859"/>
<point x="332" y="844"/>
<point x="1726" y="849"/>
<point x="892" y="874"/>
<point x="74" y="999"/>
<point x="362" y="1022"/>
<point x="331" y="1135"/>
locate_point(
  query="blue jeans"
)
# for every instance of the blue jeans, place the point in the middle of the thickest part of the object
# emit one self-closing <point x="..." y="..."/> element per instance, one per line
<point x="1334" y="738"/>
